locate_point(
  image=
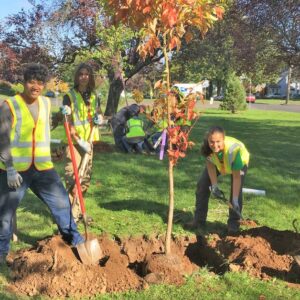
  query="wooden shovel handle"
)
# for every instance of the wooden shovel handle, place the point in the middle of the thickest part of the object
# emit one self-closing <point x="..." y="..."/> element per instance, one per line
<point x="86" y="156"/>
<point x="77" y="182"/>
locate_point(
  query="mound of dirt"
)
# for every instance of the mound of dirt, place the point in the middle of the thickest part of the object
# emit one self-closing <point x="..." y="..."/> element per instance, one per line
<point x="57" y="153"/>
<point x="262" y="252"/>
<point x="52" y="268"/>
<point x="248" y="223"/>
<point x="101" y="147"/>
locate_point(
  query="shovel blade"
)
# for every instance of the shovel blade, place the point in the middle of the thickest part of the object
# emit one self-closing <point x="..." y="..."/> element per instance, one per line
<point x="89" y="252"/>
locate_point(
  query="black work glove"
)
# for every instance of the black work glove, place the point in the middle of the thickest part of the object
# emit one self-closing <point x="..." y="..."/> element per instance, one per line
<point x="216" y="192"/>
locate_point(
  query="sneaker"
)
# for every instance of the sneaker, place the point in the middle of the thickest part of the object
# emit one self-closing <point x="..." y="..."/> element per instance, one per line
<point x="89" y="219"/>
<point x="297" y="259"/>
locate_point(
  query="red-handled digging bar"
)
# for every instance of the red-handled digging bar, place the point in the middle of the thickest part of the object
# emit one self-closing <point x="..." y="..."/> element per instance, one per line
<point x="89" y="251"/>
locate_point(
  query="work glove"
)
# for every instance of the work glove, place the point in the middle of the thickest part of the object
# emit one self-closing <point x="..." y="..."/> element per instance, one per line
<point x="98" y="119"/>
<point x="65" y="110"/>
<point x="85" y="146"/>
<point x="216" y="192"/>
<point x="14" y="179"/>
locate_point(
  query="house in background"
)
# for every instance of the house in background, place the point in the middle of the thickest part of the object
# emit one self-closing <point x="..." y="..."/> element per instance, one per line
<point x="279" y="89"/>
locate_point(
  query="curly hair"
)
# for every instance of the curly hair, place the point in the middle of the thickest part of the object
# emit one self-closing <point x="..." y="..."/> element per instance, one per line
<point x="205" y="149"/>
<point x="34" y="71"/>
<point x="91" y="84"/>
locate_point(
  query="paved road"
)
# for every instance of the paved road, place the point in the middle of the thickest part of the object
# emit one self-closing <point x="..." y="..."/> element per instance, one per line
<point x="280" y="107"/>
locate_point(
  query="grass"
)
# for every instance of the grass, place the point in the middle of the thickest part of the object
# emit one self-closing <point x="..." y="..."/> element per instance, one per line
<point x="129" y="196"/>
<point x="277" y="101"/>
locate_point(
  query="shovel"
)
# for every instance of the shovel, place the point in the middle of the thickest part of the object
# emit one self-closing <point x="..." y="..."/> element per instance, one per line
<point x="223" y="198"/>
<point x="89" y="251"/>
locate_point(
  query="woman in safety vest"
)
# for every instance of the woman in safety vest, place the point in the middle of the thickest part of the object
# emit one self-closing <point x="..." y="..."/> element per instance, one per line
<point x="83" y="109"/>
<point x="224" y="155"/>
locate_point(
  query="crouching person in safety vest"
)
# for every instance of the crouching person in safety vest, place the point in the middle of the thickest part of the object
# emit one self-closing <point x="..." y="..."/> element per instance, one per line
<point x="25" y="159"/>
<point x="224" y="156"/>
<point x="135" y="137"/>
<point x="119" y="122"/>
<point x="82" y="107"/>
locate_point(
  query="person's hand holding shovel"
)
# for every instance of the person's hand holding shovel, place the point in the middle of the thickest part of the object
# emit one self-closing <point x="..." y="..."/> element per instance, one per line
<point x="84" y="145"/>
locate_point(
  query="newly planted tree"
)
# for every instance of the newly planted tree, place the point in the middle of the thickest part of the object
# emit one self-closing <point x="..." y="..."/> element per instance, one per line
<point x="162" y="25"/>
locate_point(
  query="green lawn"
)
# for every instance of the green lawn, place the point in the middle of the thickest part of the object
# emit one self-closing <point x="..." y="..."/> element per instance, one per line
<point x="277" y="101"/>
<point x="129" y="196"/>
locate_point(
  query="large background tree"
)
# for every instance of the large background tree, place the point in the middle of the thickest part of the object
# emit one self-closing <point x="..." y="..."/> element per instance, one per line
<point x="234" y="44"/>
<point x="23" y="41"/>
<point x="255" y="39"/>
<point x="280" y="20"/>
<point x="62" y="33"/>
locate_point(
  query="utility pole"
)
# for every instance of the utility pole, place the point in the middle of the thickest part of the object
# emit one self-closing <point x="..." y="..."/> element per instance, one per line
<point x="288" y="84"/>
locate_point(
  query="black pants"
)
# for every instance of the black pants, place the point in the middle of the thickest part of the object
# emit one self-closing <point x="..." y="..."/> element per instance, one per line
<point x="202" y="198"/>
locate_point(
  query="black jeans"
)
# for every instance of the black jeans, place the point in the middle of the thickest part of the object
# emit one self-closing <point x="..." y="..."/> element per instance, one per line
<point x="202" y="198"/>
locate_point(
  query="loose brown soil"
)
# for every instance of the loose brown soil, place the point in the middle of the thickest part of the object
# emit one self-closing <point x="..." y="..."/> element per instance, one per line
<point x="52" y="268"/>
<point x="103" y="147"/>
<point x="58" y="152"/>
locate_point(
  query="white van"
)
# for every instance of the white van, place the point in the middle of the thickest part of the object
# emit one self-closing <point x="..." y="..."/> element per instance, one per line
<point x="187" y="88"/>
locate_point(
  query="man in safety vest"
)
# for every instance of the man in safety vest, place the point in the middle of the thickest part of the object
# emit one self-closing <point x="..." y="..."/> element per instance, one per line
<point x="25" y="159"/>
<point x="224" y="156"/>
<point x="83" y="109"/>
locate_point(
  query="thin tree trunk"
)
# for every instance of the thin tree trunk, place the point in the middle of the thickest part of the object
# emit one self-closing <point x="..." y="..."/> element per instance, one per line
<point x="115" y="90"/>
<point x="171" y="173"/>
<point x="210" y="89"/>
<point x="288" y="85"/>
<point x="219" y="87"/>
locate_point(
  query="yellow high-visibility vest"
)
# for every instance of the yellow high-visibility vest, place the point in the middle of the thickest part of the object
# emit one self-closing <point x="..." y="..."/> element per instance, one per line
<point x="231" y="148"/>
<point x="30" y="141"/>
<point x="81" y="118"/>
<point x="135" y="128"/>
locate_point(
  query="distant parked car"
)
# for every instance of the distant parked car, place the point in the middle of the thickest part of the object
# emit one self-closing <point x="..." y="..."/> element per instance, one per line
<point x="250" y="98"/>
<point x="219" y="98"/>
<point x="274" y="96"/>
<point x="50" y="94"/>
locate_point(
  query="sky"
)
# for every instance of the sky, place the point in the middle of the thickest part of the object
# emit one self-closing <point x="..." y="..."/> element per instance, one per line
<point x="12" y="6"/>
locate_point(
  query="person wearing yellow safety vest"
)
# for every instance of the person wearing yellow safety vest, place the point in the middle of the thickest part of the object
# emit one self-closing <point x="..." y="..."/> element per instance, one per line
<point x="224" y="156"/>
<point x="25" y="159"/>
<point x="82" y="107"/>
<point x="119" y="120"/>
<point x="134" y="139"/>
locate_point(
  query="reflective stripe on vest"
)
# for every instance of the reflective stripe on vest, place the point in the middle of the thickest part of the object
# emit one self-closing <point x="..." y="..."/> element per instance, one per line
<point x="30" y="141"/>
<point x="81" y="116"/>
<point x="231" y="148"/>
<point x="135" y="128"/>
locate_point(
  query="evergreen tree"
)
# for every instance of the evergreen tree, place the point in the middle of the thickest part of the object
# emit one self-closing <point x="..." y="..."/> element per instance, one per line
<point x="235" y="95"/>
